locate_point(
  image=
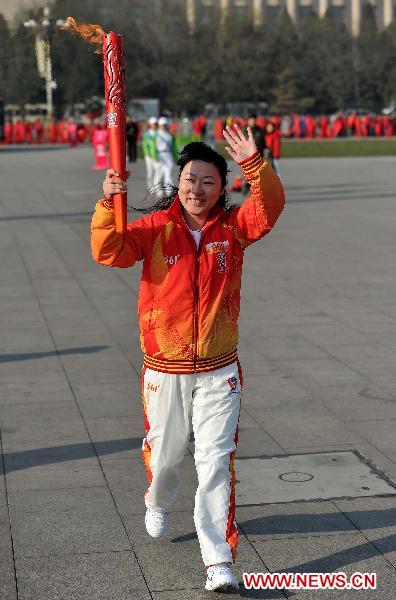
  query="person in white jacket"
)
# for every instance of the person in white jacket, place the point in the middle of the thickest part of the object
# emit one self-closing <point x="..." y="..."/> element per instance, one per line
<point x="165" y="151"/>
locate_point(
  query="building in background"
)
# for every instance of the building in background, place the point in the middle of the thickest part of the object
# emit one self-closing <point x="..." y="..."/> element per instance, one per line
<point x="345" y="11"/>
<point x="198" y="11"/>
<point x="10" y="8"/>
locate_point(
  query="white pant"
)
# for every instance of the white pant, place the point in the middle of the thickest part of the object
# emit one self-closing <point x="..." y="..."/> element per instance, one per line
<point x="154" y="171"/>
<point x="210" y="403"/>
<point x="167" y="163"/>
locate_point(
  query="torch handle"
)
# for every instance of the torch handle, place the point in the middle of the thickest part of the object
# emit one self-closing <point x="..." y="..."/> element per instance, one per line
<point x="118" y="163"/>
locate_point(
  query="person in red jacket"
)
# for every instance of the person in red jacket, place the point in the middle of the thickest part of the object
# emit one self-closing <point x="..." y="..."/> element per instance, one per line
<point x="324" y="127"/>
<point x="9" y="132"/>
<point x="192" y="247"/>
<point x="20" y="132"/>
<point x="53" y="134"/>
<point x="273" y="145"/>
<point x="39" y="131"/>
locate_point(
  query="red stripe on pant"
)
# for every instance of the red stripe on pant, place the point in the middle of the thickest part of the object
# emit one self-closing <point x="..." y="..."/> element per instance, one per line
<point x="232" y="530"/>
<point x="146" y="450"/>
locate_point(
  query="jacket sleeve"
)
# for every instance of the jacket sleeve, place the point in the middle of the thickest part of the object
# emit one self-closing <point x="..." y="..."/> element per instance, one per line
<point x="116" y="249"/>
<point x="260" y="211"/>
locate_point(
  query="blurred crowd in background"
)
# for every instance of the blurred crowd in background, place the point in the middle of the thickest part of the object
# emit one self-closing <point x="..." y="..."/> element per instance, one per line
<point x="293" y="126"/>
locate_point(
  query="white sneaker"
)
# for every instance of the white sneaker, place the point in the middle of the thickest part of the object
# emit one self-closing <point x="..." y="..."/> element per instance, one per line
<point x="221" y="579"/>
<point x="156" y="523"/>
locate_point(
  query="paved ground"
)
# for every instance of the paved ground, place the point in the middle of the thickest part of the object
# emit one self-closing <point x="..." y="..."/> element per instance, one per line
<point x="318" y="329"/>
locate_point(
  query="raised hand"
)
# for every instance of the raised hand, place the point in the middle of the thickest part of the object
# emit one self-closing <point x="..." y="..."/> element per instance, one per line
<point x="239" y="147"/>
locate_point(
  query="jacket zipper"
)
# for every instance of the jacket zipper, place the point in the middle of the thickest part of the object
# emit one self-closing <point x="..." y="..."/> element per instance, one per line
<point x="196" y="304"/>
<point x="197" y="251"/>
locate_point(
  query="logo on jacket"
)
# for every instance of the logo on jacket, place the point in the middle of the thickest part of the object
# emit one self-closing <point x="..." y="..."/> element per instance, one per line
<point x="171" y="260"/>
<point x="219" y="249"/>
<point x="215" y="247"/>
<point x="221" y="262"/>
<point x="152" y="388"/>
<point x="233" y="382"/>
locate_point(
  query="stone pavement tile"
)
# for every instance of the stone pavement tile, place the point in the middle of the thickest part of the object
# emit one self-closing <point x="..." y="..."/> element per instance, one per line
<point x="65" y="521"/>
<point x="262" y="390"/>
<point x="127" y="480"/>
<point x="323" y="371"/>
<point x="3" y="498"/>
<point x="23" y="346"/>
<point x="201" y="594"/>
<point x="94" y="576"/>
<point x="305" y="431"/>
<point x="55" y="453"/>
<point x="383" y="335"/>
<point x="327" y="335"/>
<point x="292" y="520"/>
<point x="12" y="415"/>
<point x="182" y="566"/>
<point x="22" y="475"/>
<point x="291" y="347"/>
<point x="386" y="381"/>
<point x="33" y="368"/>
<point x="34" y="436"/>
<point x="325" y="554"/>
<point x="282" y="408"/>
<point x="115" y="426"/>
<point x="360" y="402"/>
<point x="379" y="433"/>
<point x="366" y="358"/>
<point x="376" y="518"/>
<point x="325" y="447"/>
<point x="379" y="460"/>
<point x="117" y="437"/>
<point x="255" y="441"/>
<point x="96" y="362"/>
<point x="52" y="388"/>
<point x="110" y="399"/>
<point x="7" y="575"/>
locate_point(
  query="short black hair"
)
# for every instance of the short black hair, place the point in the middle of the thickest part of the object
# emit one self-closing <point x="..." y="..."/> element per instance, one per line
<point x="201" y="151"/>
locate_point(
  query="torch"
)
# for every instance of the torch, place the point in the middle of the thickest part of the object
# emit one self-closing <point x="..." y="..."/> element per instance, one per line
<point x="114" y="85"/>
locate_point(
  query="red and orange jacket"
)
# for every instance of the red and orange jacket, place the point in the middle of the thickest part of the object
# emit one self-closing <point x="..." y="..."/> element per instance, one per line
<point x="189" y="298"/>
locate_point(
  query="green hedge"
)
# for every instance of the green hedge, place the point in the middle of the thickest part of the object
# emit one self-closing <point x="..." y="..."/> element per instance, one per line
<point x="333" y="148"/>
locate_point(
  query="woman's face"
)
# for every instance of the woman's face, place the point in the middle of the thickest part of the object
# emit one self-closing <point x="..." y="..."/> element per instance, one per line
<point x="200" y="187"/>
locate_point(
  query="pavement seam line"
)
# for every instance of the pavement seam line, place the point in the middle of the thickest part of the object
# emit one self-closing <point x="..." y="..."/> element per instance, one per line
<point x="371" y="542"/>
<point x="256" y="552"/>
<point x="9" y="516"/>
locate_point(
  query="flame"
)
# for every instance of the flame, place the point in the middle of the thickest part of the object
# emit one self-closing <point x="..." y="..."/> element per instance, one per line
<point x="93" y="34"/>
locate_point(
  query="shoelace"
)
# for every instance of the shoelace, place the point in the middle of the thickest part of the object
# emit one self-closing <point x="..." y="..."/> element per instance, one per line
<point x="158" y="517"/>
<point x="223" y="570"/>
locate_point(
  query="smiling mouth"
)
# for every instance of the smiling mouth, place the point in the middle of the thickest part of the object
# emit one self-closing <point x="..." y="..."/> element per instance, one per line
<point x="197" y="200"/>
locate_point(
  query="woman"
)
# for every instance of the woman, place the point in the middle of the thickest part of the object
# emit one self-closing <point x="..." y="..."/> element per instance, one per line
<point x="192" y="250"/>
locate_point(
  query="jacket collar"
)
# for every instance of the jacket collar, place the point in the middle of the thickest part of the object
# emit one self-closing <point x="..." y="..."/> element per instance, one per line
<point x="174" y="212"/>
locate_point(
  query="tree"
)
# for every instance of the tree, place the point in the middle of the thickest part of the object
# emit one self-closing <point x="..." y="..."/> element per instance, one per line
<point x="5" y="59"/>
<point x="388" y="86"/>
<point x="369" y="67"/>
<point x="24" y="82"/>
<point x="283" y="51"/>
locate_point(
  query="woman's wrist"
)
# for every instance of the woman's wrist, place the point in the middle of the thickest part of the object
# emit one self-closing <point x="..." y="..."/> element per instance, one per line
<point x="251" y="165"/>
<point x="107" y="202"/>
